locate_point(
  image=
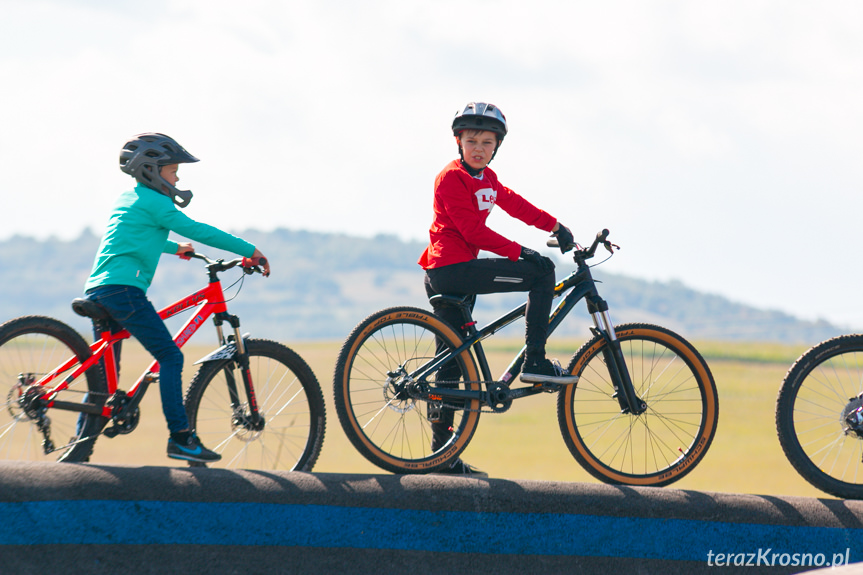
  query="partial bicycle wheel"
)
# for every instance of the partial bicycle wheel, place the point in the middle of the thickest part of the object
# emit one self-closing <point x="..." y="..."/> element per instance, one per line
<point x="658" y="446"/>
<point x="375" y="392"/>
<point x="818" y="416"/>
<point x="289" y="400"/>
<point x="31" y="347"/>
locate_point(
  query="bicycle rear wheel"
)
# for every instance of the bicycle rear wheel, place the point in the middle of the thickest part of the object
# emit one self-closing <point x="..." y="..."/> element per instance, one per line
<point x="30" y="347"/>
<point x="289" y="400"/>
<point x="819" y="391"/>
<point x="658" y="446"/>
<point x="385" y="422"/>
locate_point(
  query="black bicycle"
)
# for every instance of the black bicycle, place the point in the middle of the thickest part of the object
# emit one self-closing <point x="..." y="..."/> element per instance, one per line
<point x="819" y="416"/>
<point x="643" y="412"/>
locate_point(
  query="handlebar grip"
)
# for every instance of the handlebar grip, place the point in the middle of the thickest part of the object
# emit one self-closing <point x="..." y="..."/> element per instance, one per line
<point x="601" y="236"/>
<point x="252" y="262"/>
<point x="552" y="243"/>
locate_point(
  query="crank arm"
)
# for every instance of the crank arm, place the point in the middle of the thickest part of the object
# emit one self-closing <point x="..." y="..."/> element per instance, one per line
<point x="443" y="394"/>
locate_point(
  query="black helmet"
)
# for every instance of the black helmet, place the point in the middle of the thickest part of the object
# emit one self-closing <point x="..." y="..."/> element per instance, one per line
<point x="480" y="116"/>
<point x="144" y="155"/>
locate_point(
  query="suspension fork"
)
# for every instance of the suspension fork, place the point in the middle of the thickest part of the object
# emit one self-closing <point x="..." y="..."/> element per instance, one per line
<point x="613" y="355"/>
<point x="241" y="357"/>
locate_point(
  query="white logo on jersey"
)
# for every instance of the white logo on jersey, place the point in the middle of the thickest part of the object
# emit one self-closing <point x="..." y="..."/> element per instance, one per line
<point x="485" y="199"/>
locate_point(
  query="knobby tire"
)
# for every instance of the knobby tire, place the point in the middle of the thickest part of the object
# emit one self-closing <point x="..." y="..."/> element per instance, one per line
<point x="819" y="390"/>
<point x="388" y="426"/>
<point x="35" y="345"/>
<point x="662" y="444"/>
<point x="289" y="398"/>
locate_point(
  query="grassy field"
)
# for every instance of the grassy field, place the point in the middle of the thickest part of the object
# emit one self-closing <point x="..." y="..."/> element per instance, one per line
<point x="525" y="442"/>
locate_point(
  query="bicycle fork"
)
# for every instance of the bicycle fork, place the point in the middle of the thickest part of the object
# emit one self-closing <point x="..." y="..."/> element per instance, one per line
<point x="624" y="391"/>
<point x="253" y="420"/>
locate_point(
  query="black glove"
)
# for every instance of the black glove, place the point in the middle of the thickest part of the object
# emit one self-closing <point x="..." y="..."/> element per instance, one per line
<point x="564" y="237"/>
<point x="544" y="263"/>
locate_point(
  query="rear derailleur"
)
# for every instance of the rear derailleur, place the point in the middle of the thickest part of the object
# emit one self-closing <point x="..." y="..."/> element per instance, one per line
<point x="30" y="404"/>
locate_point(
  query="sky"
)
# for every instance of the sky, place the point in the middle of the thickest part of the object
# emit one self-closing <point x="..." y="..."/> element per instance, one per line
<point x="719" y="141"/>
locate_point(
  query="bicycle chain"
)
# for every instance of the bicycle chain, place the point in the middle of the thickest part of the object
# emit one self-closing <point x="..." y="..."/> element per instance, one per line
<point x="480" y="410"/>
<point x="456" y="385"/>
<point x="52" y="448"/>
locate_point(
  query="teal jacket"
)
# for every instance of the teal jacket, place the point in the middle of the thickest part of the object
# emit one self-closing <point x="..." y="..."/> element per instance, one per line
<point x="137" y="235"/>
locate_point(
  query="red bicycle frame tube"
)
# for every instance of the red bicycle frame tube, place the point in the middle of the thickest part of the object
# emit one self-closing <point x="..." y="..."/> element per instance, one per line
<point x="213" y="300"/>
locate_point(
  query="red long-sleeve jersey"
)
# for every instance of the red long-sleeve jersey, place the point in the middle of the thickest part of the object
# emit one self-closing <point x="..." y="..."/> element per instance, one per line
<point x="462" y="204"/>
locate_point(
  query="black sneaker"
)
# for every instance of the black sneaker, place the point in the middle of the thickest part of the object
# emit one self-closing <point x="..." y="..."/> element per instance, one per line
<point x="186" y="445"/>
<point x="459" y="467"/>
<point x="546" y="371"/>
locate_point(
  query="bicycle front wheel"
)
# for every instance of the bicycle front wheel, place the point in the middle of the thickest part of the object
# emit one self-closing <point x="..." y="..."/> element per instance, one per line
<point x="384" y="419"/>
<point x="30" y="348"/>
<point x="819" y="392"/>
<point x="658" y="446"/>
<point x="289" y="434"/>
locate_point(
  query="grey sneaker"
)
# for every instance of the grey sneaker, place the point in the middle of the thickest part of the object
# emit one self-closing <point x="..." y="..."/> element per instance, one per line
<point x="546" y="371"/>
<point x="186" y="445"/>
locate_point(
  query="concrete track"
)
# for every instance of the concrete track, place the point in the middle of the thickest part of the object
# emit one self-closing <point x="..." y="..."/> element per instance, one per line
<point x="71" y="518"/>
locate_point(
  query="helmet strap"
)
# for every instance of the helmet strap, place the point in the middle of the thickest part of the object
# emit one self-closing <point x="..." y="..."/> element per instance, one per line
<point x="472" y="171"/>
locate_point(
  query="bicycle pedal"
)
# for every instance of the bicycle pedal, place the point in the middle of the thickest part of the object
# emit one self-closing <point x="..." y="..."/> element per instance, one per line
<point x="546" y="386"/>
<point x="112" y="431"/>
<point x="433" y="413"/>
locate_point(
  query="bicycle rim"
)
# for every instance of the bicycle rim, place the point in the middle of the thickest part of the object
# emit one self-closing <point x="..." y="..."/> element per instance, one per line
<point x="821" y="389"/>
<point x="289" y="400"/>
<point x="390" y="427"/>
<point x="30" y="347"/>
<point x="658" y="446"/>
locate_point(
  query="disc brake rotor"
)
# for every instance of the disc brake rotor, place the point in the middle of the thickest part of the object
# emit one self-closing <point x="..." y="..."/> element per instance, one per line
<point x="242" y="427"/>
<point x="396" y="395"/>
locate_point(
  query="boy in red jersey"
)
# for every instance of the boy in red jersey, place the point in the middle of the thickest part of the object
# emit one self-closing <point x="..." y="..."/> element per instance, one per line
<point x="465" y="193"/>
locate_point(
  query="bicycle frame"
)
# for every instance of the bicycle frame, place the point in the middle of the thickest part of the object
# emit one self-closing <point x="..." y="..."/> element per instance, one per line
<point x="581" y="285"/>
<point x="211" y="300"/>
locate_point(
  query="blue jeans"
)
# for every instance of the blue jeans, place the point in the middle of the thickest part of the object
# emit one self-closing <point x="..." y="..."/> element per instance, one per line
<point x="131" y="310"/>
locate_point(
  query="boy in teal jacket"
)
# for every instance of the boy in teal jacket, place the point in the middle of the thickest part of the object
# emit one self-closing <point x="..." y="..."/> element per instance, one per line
<point x="135" y="237"/>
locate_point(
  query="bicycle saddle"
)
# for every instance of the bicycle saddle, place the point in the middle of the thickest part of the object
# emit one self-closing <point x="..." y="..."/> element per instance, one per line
<point x="88" y="308"/>
<point x="452" y="300"/>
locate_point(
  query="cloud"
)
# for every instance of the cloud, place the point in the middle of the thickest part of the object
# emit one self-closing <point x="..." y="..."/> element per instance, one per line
<point x="718" y="140"/>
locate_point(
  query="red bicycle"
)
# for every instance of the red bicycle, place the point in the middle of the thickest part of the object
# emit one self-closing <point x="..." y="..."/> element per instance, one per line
<point x="254" y="401"/>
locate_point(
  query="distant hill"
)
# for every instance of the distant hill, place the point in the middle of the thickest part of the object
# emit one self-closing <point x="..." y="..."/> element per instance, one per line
<point x="324" y="284"/>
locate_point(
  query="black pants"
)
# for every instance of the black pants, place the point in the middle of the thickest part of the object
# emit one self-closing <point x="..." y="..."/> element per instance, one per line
<point x="484" y="276"/>
<point x="496" y="275"/>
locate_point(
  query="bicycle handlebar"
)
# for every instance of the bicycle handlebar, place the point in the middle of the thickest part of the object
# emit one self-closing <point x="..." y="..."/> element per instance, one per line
<point x="586" y="253"/>
<point x="249" y="265"/>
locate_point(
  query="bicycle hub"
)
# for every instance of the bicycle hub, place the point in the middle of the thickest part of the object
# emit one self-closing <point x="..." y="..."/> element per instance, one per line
<point x="852" y="416"/>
